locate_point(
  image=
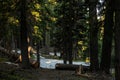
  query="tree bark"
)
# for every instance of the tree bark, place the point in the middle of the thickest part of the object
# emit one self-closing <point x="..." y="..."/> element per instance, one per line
<point x="67" y="45"/>
<point x="117" y="44"/>
<point x="67" y="39"/>
<point x="94" y="65"/>
<point x="65" y="54"/>
<point x="38" y="55"/>
<point x="107" y="39"/>
<point x="24" y="35"/>
<point x="70" y="46"/>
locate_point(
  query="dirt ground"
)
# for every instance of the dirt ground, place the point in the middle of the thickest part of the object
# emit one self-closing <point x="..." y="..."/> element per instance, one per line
<point x="12" y="71"/>
<point x="38" y="74"/>
<point x="46" y="74"/>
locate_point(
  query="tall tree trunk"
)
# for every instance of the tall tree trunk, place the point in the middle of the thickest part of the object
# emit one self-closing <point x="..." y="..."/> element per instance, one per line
<point x="70" y="45"/>
<point x="29" y="36"/>
<point x="71" y="25"/>
<point x="65" y="54"/>
<point x="117" y="44"/>
<point x="107" y="39"/>
<point x="38" y="55"/>
<point x="23" y="30"/>
<point x="94" y="65"/>
<point x="67" y="45"/>
<point x="47" y="41"/>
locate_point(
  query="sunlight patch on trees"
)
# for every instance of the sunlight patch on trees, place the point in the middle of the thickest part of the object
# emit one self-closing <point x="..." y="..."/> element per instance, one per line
<point x="37" y="6"/>
<point x="52" y="2"/>
<point x="13" y="20"/>
<point x="80" y="42"/>
<point x="36" y="15"/>
<point x="53" y="19"/>
<point x="37" y="33"/>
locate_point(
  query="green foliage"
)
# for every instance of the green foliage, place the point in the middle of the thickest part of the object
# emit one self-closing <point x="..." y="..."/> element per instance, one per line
<point x="72" y="14"/>
<point x="9" y="24"/>
<point x="47" y="15"/>
<point x="37" y="35"/>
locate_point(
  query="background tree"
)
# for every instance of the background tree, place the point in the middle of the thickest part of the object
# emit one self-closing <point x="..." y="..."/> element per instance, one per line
<point x="94" y="63"/>
<point x="117" y="39"/>
<point x="9" y="23"/>
<point x="67" y="31"/>
<point x="107" y="38"/>
<point x="78" y="14"/>
<point x="24" y="36"/>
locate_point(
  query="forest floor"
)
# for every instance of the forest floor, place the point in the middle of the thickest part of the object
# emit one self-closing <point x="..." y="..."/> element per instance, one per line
<point x="12" y="71"/>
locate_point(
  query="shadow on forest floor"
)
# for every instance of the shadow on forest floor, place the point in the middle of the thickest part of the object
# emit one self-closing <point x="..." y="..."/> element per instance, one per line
<point x="11" y="71"/>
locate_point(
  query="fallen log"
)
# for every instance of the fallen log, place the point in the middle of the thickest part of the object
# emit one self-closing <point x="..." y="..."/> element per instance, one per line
<point x="66" y="66"/>
<point x="79" y="69"/>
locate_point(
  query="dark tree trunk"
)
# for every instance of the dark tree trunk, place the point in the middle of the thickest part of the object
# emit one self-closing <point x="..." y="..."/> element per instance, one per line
<point x="65" y="54"/>
<point x="23" y="31"/>
<point x="67" y="45"/>
<point x="117" y="44"/>
<point x="70" y="45"/>
<point x="94" y="65"/>
<point x="29" y="37"/>
<point x="107" y="39"/>
<point x="38" y="55"/>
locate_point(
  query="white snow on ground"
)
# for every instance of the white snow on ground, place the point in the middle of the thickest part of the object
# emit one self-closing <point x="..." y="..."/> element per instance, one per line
<point x="50" y="63"/>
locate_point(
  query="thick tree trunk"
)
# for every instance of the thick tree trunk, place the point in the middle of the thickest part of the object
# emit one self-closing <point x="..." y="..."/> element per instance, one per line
<point x="67" y="43"/>
<point x="67" y="31"/>
<point x="117" y="44"/>
<point x="107" y="39"/>
<point x="23" y="31"/>
<point x="70" y="45"/>
<point x="29" y="38"/>
<point x="94" y="65"/>
<point x="65" y="54"/>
